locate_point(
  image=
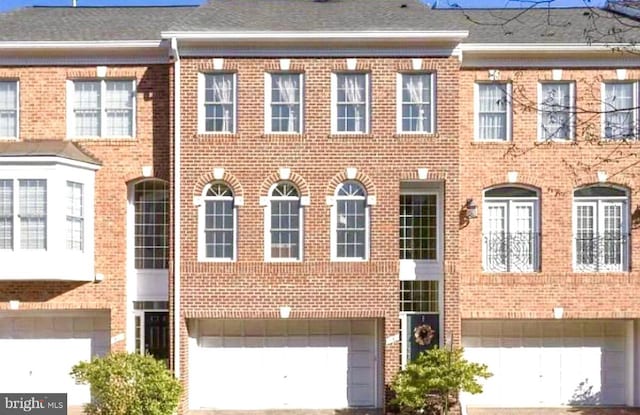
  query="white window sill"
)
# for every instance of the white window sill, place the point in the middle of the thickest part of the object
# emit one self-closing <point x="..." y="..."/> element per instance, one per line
<point x="412" y="269"/>
<point x="349" y="259"/>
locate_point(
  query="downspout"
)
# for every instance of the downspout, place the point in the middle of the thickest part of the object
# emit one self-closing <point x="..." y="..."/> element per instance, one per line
<point x="177" y="185"/>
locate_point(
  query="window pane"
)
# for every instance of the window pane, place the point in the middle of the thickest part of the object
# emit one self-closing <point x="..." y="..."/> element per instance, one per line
<point x="492" y="111"/>
<point x="151" y="201"/>
<point x="219" y="229"/>
<point x="285" y="231"/>
<point x="495" y="237"/>
<point x="416" y="102"/>
<point x="119" y="108"/>
<point x="418" y="227"/>
<point x="619" y="111"/>
<point x="87" y="108"/>
<point x="555" y="106"/>
<point x="33" y="214"/>
<point x="351" y="228"/>
<point x="285" y="102"/>
<point x="75" y="216"/>
<point x="419" y="296"/>
<point x="599" y="191"/>
<point x="219" y="102"/>
<point x="8" y="109"/>
<point x="6" y="214"/>
<point x="585" y="232"/>
<point x="509" y="192"/>
<point x="352" y="105"/>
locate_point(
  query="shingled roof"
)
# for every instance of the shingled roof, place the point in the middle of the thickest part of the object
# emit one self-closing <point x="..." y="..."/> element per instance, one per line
<point x="46" y="148"/>
<point x="539" y="25"/>
<point x="88" y="23"/>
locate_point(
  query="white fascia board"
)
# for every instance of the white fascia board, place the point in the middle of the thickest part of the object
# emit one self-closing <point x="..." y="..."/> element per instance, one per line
<point x="436" y="35"/>
<point x="31" y="160"/>
<point x="98" y="44"/>
<point x="545" y="47"/>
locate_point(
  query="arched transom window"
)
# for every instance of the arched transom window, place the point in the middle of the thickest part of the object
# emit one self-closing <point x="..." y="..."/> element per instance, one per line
<point x="601" y="228"/>
<point x="350" y="222"/>
<point x="283" y="224"/>
<point x="218" y="223"/>
<point x="510" y="230"/>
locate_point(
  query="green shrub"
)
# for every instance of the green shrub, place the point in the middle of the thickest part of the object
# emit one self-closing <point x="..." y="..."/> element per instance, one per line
<point x="431" y="383"/>
<point x="128" y="384"/>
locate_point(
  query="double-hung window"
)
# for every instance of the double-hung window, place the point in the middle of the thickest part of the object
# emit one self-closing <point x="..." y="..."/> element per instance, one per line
<point x="619" y="110"/>
<point x="23" y="214"/>
<point x="351" y="103"/>
<point x="218" y="224"/>
<point x="556" y="111"/>
<point x="75" y="216"/>
<point x="284" y="103"/>
<point x="510" y="230"/>
<point x="8" y="109"/>
<point x="217" y="103"/>
<point x="601" y="228"/>
<point x="350" y="222"/>
<point x="103" y="108"/>
<point x="416" y="104"/>
<point x="283" y="233"/>
<point x="493" y="111"/>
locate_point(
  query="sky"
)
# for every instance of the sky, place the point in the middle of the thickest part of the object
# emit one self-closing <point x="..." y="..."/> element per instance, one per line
<point x="6" y="5"/>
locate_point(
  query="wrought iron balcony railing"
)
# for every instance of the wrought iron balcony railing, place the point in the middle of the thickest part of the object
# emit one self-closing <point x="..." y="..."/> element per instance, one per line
<point x="601" y="252"/>
<point x="511" y="251"/>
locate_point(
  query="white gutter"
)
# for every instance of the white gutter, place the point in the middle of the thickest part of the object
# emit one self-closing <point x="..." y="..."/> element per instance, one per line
<point x="436" y="35"/>
<point x="98" y="44"/>
<point x="544" y="47"/>
<point x="177" y="185"/>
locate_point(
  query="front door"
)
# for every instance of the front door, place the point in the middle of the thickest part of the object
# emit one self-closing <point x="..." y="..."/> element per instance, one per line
<point x="156" y="335"/>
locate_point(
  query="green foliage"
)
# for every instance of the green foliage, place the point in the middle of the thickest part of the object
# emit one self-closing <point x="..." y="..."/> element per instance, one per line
<point x="430" y="382"/>
<point x="128" y="384"/>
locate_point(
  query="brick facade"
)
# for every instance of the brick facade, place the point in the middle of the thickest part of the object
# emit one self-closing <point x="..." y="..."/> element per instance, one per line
<point x="314" y="288"/>
<point x="556" y="170"/>
<point x="43" y="104"/>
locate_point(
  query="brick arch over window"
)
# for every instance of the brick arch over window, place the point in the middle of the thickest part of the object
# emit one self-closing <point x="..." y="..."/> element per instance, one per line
<point x="621" y="182"/>
<point x="228" y="178"/>
<point x="360" y="177"/>
<point x="139" y="179"/>
<point x="524" y="180"/>
<point x="294" y="178"/>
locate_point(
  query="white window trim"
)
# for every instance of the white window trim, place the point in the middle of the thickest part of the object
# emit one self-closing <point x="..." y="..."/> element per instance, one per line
<point x="432" y="115"/>
<point x="603" y="109"/>
<point x="201" y="104"/>
<point x="71" y="119"/>
<point x="267" y="103"/>
<point x="476" y="113"/>
<point x="407" y="266"/>
<point x="334" y="227"/>
<point x="55" y="262"/>
<point x="202" y="246"/>
<point x="334" y="104"/>
<point x="510" y="204"/>
<point x="17" y="135"/>
<point x="598" y="202"/>
<point x="572" y="112"/>
<point x="267" y="228"/>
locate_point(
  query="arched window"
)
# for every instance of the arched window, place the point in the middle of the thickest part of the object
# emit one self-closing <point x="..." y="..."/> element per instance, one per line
<point x="510" y="230"/>
<point x="350" y="223"/>
<point x="283" y="224"/>
<point x="151" y="203"/>
<point x="601" y="228"/>
<point x="217" y="223"/>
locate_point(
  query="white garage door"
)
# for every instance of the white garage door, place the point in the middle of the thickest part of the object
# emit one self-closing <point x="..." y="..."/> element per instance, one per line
<point x="548" y="363"/>
<point x="39" y="352"/>
<point x="279" y="364"/>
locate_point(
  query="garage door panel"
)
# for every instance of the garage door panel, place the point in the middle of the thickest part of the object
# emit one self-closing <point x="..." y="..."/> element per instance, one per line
<point x="581" y="366"/>
<point x="331" y="368"/>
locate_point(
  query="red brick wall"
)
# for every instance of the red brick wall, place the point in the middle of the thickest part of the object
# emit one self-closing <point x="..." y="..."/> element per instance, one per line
<point x="556" y="169"/>
<point x="43" y="116"/>
<point x="316" y="287"/>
